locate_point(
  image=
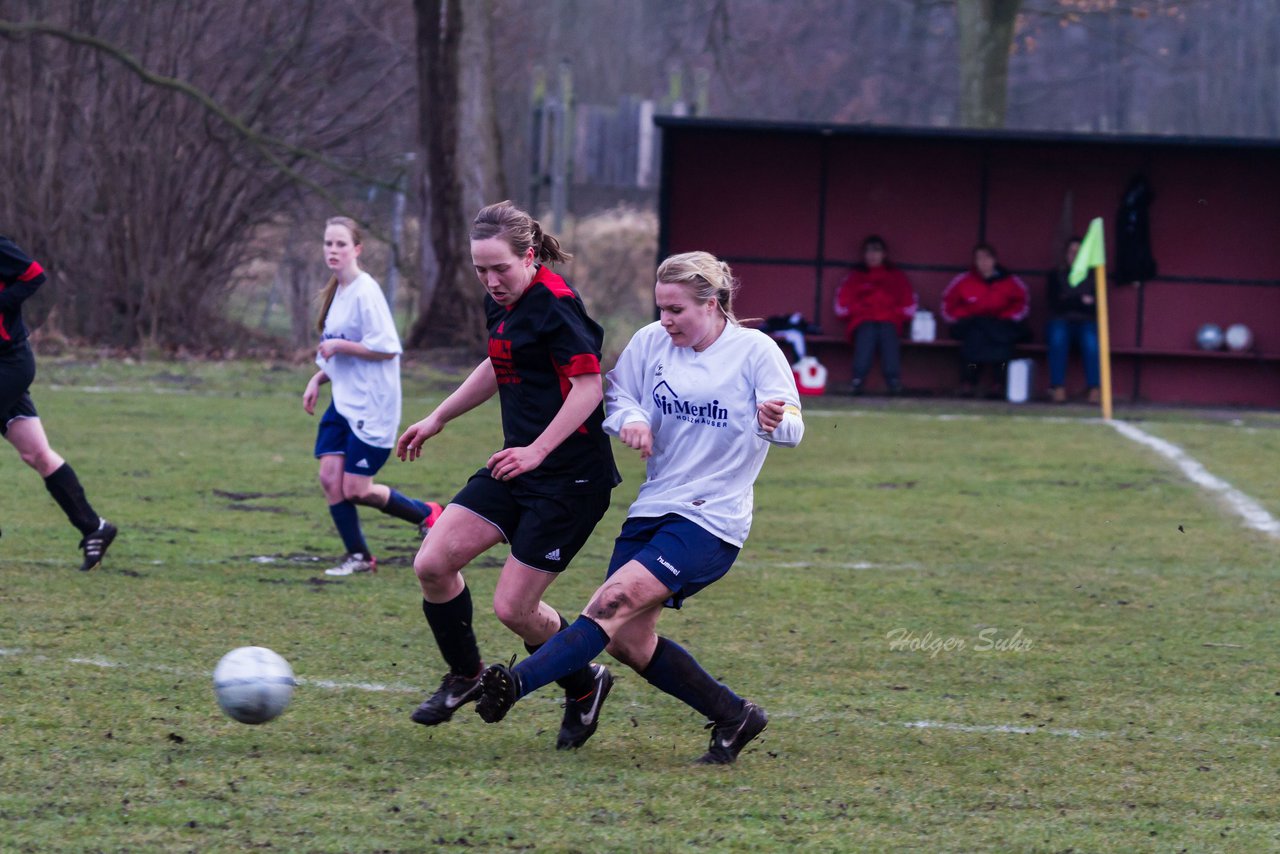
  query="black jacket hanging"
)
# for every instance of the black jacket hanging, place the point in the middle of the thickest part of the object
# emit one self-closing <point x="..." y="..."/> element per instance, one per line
<point x="1134" y="261"/>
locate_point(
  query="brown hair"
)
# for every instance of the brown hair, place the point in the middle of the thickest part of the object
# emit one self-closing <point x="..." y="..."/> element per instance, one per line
<point x="331" y="287"/>
<point x="706" y="276"/>
<point x="519" y="230"/>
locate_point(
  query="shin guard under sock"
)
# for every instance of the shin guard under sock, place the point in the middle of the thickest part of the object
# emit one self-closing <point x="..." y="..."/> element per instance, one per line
<point x="577" y="684"/>
<point x="451" y="624"/>
<point x="566" y="652"/>
<point x="65" y="488"/>
<point x="673" y="670"/>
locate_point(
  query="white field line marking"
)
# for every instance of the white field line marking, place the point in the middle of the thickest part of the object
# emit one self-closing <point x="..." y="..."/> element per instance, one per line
<point x="994" y="729"/>
<point x="1254" y="514"/>
<point x="106" y="663"/>
<point x="1002" y="728"/>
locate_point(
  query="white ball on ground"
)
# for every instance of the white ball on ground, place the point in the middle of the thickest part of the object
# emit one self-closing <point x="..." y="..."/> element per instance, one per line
<point x="1239" y="338"/>
<point x="253" y="684"/>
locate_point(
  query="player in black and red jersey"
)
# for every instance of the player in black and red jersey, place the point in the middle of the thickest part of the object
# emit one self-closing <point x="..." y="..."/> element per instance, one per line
<point x="19" y="278"/>
<point x="544" y="492"/>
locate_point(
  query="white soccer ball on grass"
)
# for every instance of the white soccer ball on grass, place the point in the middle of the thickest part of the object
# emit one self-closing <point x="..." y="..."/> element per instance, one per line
<point x="253" y="684"/>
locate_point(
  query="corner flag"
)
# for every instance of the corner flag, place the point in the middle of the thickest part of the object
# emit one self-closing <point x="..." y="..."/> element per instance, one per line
<point x="1093" y="256"/>
<point x="1093" y="253"/>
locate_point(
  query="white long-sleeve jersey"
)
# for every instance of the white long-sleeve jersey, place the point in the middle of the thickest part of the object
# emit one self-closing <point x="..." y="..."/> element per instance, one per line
<point x="708" y="446"/>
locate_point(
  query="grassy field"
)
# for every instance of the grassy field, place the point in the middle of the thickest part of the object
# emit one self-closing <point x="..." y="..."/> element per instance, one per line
<point x="984" y="631"/>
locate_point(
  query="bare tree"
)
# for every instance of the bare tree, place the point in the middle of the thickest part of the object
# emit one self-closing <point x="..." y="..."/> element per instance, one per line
<point x="457" y="133"/>
<point x="166" y="137"/>
<point x="986" y="37"/>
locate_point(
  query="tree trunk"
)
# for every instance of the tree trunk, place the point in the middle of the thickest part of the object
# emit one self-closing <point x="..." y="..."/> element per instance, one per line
<point x="986" y="38"/>
<point x="456" y="130"/>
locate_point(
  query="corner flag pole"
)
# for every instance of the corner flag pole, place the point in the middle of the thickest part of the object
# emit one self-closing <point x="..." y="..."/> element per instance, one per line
<point x="1093" y="254"/>
<point x="1104" y="338"/>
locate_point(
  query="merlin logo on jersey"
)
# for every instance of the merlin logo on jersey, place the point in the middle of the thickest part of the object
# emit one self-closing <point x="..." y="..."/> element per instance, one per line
<point x="670" y="403"/>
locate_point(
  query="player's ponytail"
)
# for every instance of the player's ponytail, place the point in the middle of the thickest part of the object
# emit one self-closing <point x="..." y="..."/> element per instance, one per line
<point x="331" y="286"/>
<point x="519" y="230"/>
<point x="706" y="276"/>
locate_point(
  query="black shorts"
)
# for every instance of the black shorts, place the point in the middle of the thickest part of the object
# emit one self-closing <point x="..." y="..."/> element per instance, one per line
<point x="544" y="531"/>
<point x="17" y="370"/>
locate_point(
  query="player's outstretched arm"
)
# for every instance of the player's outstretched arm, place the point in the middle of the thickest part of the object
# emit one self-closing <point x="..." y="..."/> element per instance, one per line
<point x="478" y="387"/>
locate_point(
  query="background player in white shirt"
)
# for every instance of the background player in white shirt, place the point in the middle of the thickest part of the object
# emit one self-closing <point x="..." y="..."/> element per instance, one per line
<point x="360" y="355"/>
<point x="702" y="399"/>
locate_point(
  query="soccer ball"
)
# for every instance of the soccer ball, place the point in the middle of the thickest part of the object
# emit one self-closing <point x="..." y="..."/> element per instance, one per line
<point x="253" y="684"/>
<point x="1239" y="338"/>
<point x="1209" y="337"/>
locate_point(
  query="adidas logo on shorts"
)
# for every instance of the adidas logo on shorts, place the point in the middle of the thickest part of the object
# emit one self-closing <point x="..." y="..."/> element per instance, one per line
<point x="554" y="554"/>
<point x="363" y="464"/>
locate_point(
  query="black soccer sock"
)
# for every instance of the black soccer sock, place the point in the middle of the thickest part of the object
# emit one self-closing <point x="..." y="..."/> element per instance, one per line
<point x="577" y="684"/>
<point x="403" y="507"/>
<point x="451" y="624"/>
<point x="673" y="670"/>
<point x="65" y="488"/>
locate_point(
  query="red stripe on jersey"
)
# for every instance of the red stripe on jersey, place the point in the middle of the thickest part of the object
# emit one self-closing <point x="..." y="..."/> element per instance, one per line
<point x="578" y="365"/>
<point x="31" y="272"/>
<point x="566" y="371"/>
<point x="553" y="282"/>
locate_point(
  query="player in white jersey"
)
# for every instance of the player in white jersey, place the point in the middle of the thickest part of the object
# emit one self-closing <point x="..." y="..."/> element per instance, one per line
<point x="359" y="354"/>
<point x="702" y="399"/>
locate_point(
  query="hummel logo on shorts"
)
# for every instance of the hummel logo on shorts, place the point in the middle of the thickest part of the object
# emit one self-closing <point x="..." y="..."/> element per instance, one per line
<point x="665" y="563"/>
<point x="554" y="554"/>
<point x="363" y="464"/>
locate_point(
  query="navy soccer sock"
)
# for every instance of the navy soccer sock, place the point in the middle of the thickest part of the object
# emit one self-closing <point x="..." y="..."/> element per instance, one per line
<point x="451" y="624"/>
<point x="577" y="684"/>
<point x="403" y="507"/>
<point x="673" y="670"/>
<point x="347" y="520"/>
<point x="568" y="651"/>
<point x="65" y="488"/>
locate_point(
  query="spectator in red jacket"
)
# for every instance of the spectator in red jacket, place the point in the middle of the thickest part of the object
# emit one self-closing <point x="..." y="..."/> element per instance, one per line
<point x="987" y="308"/>
<point x="875" y="302"/>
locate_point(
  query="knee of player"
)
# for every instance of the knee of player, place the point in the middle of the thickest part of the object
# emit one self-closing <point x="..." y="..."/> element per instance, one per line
<point x="608" y="605"/>
<point x="433" y="565"/>
<point x="330" y="482"/>
<point x="41" y="458"/>
<point x="355" y="494"/>
<point x="509" y="613"/>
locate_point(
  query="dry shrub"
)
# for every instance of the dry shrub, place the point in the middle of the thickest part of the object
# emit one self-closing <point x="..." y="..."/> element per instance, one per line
<point x="614" y="260"/>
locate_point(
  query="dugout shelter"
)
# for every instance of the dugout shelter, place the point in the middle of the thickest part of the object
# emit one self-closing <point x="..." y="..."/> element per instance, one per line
<point x="788" y="205"/>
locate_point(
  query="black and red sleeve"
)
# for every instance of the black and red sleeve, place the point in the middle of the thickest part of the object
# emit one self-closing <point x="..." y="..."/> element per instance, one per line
<point x="573" y="337"/>
<point x="20" y="276"/>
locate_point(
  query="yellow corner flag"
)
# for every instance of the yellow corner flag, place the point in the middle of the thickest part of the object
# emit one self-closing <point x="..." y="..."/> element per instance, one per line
<point x="1093" y="254"/>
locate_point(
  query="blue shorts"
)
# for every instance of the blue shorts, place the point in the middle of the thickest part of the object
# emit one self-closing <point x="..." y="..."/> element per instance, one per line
<point x="335" y="436"/>
<point x="683" y="555"/>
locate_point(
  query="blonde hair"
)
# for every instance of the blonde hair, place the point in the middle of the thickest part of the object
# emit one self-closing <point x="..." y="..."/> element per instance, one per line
<point x="331" y="286"/>
<point x="706" y="276"/>
<point x="519" y="230"/>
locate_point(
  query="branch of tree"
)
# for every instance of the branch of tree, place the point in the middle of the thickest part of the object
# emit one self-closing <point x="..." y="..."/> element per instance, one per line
<point x="264" y="143"/>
